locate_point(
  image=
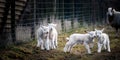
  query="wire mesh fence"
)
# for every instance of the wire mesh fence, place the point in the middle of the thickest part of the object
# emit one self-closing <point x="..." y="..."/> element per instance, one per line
<point x="68" y="14"/>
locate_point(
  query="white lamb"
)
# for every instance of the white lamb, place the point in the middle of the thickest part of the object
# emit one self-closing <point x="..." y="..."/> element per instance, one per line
<point x="103" y="40"/>
<point x="43" y="37"/>
<point x="85" y="39"/>
<point x="53" y="34"/>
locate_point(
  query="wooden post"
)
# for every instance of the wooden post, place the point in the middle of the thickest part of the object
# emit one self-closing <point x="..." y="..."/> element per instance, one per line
<point x="93" y="14"/>
<point x="34" y="21"/>
<point x="54" y="12"/>
<point x="13" y="26"/>
<point x="62" y="21"/>
<point x="72" y="20"/>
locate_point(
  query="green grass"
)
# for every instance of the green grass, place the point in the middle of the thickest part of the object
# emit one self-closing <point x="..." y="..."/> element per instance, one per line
<point x="28" y="51"/>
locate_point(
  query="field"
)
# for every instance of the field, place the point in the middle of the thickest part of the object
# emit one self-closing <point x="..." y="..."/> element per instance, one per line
<point x="28" y="51"/>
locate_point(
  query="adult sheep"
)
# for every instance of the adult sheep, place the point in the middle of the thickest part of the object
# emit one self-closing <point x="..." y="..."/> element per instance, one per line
<point x="113" y="18"/>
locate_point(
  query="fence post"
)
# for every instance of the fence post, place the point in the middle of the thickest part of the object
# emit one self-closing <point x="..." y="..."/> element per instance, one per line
<point x="62" y="21"/>
<point x="13" y="21"/>
<point x="72" y="20"/>
<point x="34" y="22"/>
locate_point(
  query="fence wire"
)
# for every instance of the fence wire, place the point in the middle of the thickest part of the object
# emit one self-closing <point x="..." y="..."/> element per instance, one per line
<point x="68" y="14"/>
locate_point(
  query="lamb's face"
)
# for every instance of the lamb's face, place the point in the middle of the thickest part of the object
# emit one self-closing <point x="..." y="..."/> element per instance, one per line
<point x="45" y="30"/>
<point x="99" y="32"/>
<point x="110" y="11"/>
<point x="52" y="25"/>
<point x="92" y="34"/>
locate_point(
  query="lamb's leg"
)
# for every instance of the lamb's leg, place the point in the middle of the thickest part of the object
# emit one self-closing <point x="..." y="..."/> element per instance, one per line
<point x="56" y="43"/>
<point x="88" y="48"/>
<point x="66" y="47"/>
<point x="71" y="46"/>
<point x="42" y="45"/>
<point x="47" y="43"/>
<point x="38" y="43"/>
<point x="117" y="33"/>
<point x="105" y="44"/>
<point x="91" y="45"/>
<point x="50" y="46"/>
<point x="108" y="45"/>
<point x="99" y="47"/>
<point x="53" y="43"/>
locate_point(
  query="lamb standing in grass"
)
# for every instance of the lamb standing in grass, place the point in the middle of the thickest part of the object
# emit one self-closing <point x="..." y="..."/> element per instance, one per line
<point x="53" y="35"/>
<point x="85" y="39"/>
<point x="42" y="37"/>
<point x="103" y="40"/>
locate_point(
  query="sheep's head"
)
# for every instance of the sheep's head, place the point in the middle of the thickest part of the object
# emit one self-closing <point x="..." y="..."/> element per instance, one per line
<point x="91" y="40"/>
<point x="110" y="11"/>
<point x="99" y="32"/>
<point x="91" y="33"/>
<point x="45" y="29"/>
<point x="52" y="24"/>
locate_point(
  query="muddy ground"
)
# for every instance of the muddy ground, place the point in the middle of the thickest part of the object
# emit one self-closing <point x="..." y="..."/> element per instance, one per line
<point x="28" y="51"/>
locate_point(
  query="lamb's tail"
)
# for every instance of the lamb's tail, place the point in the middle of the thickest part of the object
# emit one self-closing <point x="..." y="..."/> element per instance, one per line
<point x="67" y="39"/>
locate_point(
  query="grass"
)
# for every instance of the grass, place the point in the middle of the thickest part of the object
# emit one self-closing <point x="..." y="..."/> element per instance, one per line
<point x="28" y="51"/>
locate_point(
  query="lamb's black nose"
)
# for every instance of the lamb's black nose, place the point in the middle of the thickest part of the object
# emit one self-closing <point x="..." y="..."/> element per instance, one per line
<point x="46" y="32"/>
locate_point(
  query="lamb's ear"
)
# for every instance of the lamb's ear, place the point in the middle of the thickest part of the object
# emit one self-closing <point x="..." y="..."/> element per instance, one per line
<point x="113" y="10"/>
<point x="55" y="25"/>
<point x="95" y="29"/>
<point x="86" y="31"/>
<point x="102" y="29"/>
<point x="41" y="26"/>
